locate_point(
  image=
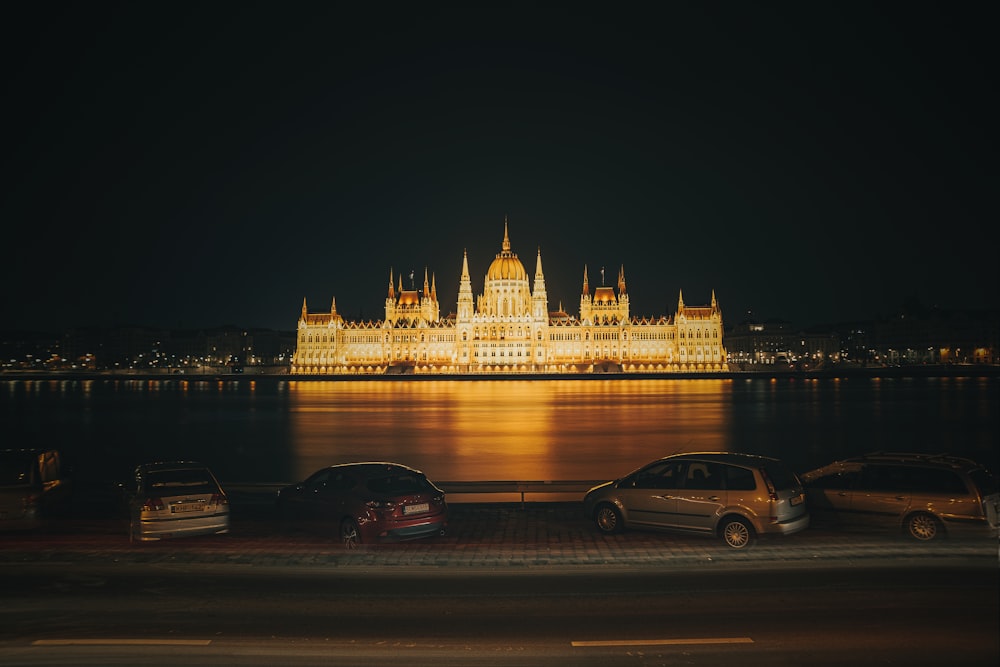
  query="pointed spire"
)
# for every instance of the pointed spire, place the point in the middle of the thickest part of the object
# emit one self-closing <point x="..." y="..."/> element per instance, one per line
<point x="506" y="238"/>
<point x="333" y="306"/>
<point x="538" y="264"/>
<point x="434" y="287"/>
<point x="586" y="287"/>
<point x="621" y="280"/>
<point x="392" y="294"/>
<point x="427" y="287"/>
<point x="305" y="311"/>
<point x="465" y="264"/>
<point x="680" y="300"/>
<point x="715" y="304"/>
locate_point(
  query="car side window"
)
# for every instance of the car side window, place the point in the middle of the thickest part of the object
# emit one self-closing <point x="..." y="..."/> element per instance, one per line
<point x="659" y="476"/>
<point x="837" y="480"/>
<point x="883" y="478"/>
<point x="937" y="481"/>
<point x="704" y="476"/>
<point x="318" y="482"/>
<point x="739" y="479"/>
<point x="342" y="482"/>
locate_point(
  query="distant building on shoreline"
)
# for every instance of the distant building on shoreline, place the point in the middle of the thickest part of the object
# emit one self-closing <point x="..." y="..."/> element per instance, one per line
<point x="509" y="328"/>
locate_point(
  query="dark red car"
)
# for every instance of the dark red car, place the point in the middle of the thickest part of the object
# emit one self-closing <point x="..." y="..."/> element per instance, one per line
<point x="364" y="503"/>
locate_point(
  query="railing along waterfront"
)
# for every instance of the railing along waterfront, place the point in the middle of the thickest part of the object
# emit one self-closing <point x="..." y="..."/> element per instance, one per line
<point x="481" y="491"/>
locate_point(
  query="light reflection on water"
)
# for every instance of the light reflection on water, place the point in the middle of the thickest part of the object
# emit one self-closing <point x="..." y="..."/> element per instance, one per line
<point x="511" y="430"/>
<point x="273" y="430"/>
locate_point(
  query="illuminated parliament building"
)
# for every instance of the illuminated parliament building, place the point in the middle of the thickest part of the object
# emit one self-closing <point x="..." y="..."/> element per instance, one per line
<point x="508" y="328"/>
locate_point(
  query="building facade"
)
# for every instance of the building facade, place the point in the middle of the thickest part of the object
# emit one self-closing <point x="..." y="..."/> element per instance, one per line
<point x="508" y="328"/>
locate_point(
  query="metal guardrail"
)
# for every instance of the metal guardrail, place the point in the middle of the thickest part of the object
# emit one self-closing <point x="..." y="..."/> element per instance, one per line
<point x="517" y="488"/>
<point x="522" y="488"/>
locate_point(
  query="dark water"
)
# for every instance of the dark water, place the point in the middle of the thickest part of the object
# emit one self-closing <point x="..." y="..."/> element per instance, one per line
<point x="272" y="430"/>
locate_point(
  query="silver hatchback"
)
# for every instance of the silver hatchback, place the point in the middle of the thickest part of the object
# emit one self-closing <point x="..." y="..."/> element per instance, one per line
<point x="175" y="499"/>
<point x="732" y="496"/>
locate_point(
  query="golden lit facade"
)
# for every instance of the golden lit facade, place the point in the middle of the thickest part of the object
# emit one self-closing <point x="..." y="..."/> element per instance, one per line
<point x="508" y="328"/>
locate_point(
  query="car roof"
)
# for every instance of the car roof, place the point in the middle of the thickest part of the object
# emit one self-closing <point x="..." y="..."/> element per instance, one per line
<point x="159" y="466"/>
<point x="737" y="458"/>
<point x="913" y="458"/>
<point x="373" y="467"/>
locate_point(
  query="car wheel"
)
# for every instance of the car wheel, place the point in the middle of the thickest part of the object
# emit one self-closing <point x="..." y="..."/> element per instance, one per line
<point x="923" y="527"/>
<point x="349" y="533"/>
<point x="608" y="519"/>
<point x="737" y="533"/>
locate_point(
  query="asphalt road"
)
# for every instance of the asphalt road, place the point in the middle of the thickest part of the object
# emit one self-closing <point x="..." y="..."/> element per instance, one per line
<point x="210" y="614"/>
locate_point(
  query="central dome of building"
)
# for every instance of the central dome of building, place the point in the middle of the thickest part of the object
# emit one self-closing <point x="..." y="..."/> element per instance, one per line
<point x="506" y="266"/>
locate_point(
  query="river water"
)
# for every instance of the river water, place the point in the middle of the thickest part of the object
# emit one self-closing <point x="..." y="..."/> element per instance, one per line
<point x="278" y="430"/>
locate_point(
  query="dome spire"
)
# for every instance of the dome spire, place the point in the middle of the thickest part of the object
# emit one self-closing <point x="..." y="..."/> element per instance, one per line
<point x="506" y="238"/>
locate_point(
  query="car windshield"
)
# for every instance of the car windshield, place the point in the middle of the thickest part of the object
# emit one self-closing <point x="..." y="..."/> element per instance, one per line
<point x="394" y="485"/>
<point x="180" y="481"/>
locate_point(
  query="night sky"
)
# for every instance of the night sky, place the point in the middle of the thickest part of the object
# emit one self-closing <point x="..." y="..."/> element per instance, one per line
<point x="189" y="165"/>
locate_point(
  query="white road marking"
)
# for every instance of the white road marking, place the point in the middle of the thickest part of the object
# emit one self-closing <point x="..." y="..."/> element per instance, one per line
<point x="121" y="642"/>
<point x="664" y="642"/>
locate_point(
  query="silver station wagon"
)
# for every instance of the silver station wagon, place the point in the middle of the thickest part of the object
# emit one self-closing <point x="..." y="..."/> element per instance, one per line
<point x="925" y="496"/>
<point x="735" y="497"/>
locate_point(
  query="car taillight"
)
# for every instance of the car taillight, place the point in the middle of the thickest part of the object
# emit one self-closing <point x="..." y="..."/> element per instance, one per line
<point x="219" y="499"/>
<point x="152" y="504"/>
<point x="772" y="493"/>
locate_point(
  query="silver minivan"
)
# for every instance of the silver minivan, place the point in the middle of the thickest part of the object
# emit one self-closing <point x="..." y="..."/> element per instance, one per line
<point x="729" y="495"/>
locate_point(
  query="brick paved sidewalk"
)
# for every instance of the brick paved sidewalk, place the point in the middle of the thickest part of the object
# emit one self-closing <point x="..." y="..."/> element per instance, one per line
<point x="484" y="536"/>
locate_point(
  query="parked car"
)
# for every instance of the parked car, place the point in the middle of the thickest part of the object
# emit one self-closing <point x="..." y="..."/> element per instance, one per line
<point x="367" y="502"/>
<point x="732" y="496"/>
<point x="175" y="499"/>
<point x="925" y="496"/>
<point x="33" y="488"/>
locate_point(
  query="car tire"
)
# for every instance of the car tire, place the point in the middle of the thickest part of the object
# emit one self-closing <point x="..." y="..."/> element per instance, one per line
<point x="923" y="527"/>
<point x="608" y="518"/>
<point x="737" y="533"/>
<point x="350" y="534"/>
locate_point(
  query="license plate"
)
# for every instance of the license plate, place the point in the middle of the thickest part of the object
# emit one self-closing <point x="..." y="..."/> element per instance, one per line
<point x="797" y="500"/>
<point x="416" y="509"/>
<point x="187" y="508"/>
